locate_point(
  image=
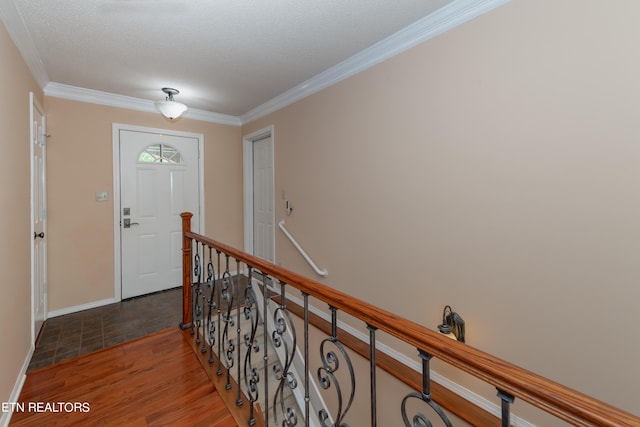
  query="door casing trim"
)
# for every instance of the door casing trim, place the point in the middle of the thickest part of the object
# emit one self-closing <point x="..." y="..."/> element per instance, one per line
<point x="247" y="175"/>
<point x="117" y="247"/>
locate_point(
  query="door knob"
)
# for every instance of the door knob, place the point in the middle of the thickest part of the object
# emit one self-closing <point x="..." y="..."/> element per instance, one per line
<point x="40" y="235"/>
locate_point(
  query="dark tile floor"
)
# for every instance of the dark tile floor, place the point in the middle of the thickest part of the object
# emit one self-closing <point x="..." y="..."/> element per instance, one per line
<point x="79" y="333"/>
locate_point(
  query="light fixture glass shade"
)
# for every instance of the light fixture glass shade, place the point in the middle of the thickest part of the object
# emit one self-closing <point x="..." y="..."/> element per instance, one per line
<point x="450" y="335"/>
<point x="170" y="109"/>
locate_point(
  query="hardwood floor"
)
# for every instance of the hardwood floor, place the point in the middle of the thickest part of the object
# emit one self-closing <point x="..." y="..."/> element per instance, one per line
<point x="152" y="381"/>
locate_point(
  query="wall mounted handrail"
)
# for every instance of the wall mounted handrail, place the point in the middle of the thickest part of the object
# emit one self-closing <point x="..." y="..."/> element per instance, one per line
<point x="552" y="397"/>
<point x="323" y="272"/>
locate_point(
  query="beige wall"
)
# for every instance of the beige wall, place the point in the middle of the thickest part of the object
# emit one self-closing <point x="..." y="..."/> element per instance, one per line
<point x="15" y="267"/>
<point x="493" y="168"/>
<point x="80" y="163"/>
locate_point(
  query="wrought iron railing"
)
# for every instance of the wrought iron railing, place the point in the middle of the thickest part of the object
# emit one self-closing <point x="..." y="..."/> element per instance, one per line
<point x="225" y="311"/>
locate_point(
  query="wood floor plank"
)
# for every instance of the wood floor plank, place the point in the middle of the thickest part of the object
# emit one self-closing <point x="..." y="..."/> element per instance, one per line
<point x="152" y="381"/>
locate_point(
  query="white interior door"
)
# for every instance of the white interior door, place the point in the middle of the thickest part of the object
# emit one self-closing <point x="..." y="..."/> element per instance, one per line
<point x="159" y="179"/>
<point x="38" y="216"/>
<point x="263" y="195"/>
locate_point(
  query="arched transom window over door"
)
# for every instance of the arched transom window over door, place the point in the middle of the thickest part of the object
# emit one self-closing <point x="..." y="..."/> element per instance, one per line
<point x="160" y="153"/>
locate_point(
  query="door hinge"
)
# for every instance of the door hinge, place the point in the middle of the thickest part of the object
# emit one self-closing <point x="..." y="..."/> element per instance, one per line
<point x="44" y="213"/>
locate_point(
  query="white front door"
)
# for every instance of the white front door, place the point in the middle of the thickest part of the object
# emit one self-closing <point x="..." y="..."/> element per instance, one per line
<point x="263" y="213"/>
<point x="38" y="215"/>
<point x="159" y="179"/>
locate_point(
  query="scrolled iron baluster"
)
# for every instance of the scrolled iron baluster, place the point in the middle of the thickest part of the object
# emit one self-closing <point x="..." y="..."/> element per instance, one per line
<point x="330" y="366"/>
<point x="265" y="343"/>
<point x="324" y="418"/>
<point x="420" y="419"/>
<point x="290" y="379"/>
<point x="291" y="418"/>
<point x="239" y="400"/>
<point x="211" y="321"/>
<point x="307" y="375"/>
<point x="227" y="292"/>
<point x="203" y="297"/>
<point x="197" y="293"/>
<point x="283" y="323"/>
<point x="251" y="374"/>
<point x="192" y="289"/>
<point x="219" y="314"/>
<point x="196" y="264"/>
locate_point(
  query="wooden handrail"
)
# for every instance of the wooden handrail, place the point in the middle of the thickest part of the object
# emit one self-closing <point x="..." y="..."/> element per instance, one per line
<point x="552" y="397"/>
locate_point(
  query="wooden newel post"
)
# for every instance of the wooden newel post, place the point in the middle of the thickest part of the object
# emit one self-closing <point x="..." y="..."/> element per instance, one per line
<point x="187" y="315"/>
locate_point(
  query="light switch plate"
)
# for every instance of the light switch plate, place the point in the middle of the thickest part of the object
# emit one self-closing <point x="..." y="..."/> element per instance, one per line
<point x="102" y="196"/>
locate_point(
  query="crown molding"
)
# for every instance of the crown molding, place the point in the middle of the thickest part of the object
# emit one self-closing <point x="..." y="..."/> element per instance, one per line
<point x="440" y="21"/>
<point x="16" y="28"/>
<point x="92" y="96"/>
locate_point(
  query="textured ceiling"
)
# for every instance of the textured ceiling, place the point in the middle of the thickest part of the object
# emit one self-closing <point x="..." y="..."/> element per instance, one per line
<point x="225" y="56"/>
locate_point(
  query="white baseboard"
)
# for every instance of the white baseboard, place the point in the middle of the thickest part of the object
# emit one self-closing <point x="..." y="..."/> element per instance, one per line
<point x="5" y="417"/>
<point x="81" y="307"/>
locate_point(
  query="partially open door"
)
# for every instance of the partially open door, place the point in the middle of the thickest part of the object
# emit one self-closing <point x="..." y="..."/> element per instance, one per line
<point x="38" y="143"/>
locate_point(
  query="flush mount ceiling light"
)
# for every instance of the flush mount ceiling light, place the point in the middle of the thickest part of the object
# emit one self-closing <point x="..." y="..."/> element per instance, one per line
<point x="169" y="108"/>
